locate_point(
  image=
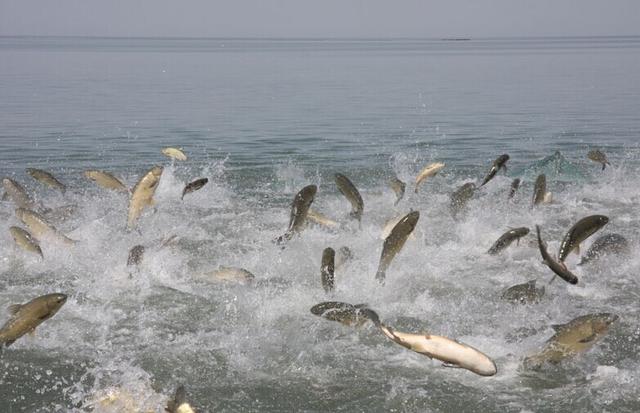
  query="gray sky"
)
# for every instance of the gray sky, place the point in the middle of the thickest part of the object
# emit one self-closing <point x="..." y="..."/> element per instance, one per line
<point x="320" y="18"/>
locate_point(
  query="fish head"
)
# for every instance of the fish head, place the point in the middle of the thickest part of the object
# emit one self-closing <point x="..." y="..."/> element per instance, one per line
<point x="320" y="309"/>
<point x="55" y="301"/>
<point x="600" y="322"/>
<point x="602" y="220"/>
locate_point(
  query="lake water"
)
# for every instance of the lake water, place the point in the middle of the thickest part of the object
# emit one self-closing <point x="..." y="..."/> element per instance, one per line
<point x="263" y="118"/>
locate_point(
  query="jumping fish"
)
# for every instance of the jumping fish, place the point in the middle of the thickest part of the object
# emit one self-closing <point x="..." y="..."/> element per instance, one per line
<point x="614" y="244"/>
<point x="142" y="194"/>
<point x="500" y="162"/>
<point x="179" y="403"/>
<point x="174" y="153"/>
<point x="17" y="193"/>
<point x="390" y="224"/>
<point x="234" y="274"/>
<point x="460" y="197"/>
<point x="299" y="210"/>
<point x="327" y="269"/>
<point x="25" y="241"/>
<point x="526" y="293"/>
<point x="26" y="317"/>
<point x="428" y="171"/>
<point x="452" y="353"/>
<point x="395" y="241"/>
<point x="106" y="180"/>
<point x="539" y="190"/>
<point x="321" y="219"/>
<point x="398" y="187"/>
<point x="194" y="186"/>
<point x="572" y="338"/>
<point x="348" y="189"/>
<point x="40" y="228"/>
<point x="515" y="184"/>
<point x="47" y="179"/>
<point x="598" y="156"/>
<point x="579" y="232"/>
<point x="507" y="238"/>
<point x="558" y="267"/>
<point x="345" y="313"/>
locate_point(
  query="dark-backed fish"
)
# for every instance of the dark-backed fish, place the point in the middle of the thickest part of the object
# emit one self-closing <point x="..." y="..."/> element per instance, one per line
<point x="598" y="156"/>
<point x="345" y="313"/>
<point x="460" y="197"/>
<point x="17" y="194"/>
<point x="194" y="186"/>
<point x="539" y="190"/>
<point x="349" y="190"/>
<point x="526" y="293"/>
<point x="499" y="163"/>
<point x="398" y="187"/>
<point x="25" y="241"/>
<point x="327" y="269"/>
<point x="40" y="228"/>
<point x="47" y="179"/>
<point x="179" y="402"/>
<point x="515" y="184"/>
<point x="395" y="241"/>
<point x="558" y="267"/>
<point x="507" y="238"/>
<point x="299" y="210"/>
<point x="26" y="317"/>
<point x="609" y="244"/>
<point x="579" y="232"/>
<point x="135" y="255"/>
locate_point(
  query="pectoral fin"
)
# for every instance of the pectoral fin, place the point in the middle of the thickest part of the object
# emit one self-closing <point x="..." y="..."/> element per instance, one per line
<point x="450" y="365"/>
<point x="588" y="339"/>
<point x="13" y="308"/>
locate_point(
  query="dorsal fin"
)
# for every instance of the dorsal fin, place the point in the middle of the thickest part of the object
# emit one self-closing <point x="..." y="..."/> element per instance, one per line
<point x="363" y="305"/>
<point x="14" y="308"/>
<point x="557" y="327"/>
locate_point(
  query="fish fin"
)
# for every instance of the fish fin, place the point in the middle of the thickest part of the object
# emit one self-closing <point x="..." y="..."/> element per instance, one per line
<point x="588" y="339"/>
<point x="552" y="279"/>
<point x="451" y="365"/>
<point x="532" y="282"/>
<point x="380" y="276"/>
<point x="32" y="332"/>
<point x="8" y="343"/>
<point x="557" y="327"/>
<point x="361" y="306"/>
<point x="14" y="308"/>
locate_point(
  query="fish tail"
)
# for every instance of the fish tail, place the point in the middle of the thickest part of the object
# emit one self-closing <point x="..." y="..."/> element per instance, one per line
<point x="380" y="276"/>
<point x="371" y="315"/>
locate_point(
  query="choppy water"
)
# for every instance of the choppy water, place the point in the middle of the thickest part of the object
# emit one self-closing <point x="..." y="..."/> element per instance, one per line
<point x="262" y="119"/>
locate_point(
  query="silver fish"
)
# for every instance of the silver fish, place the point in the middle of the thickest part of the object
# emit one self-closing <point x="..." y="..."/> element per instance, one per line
<point x="327" y="269"/>
<point x="47" y="179"/>
<point x="395" y="241"/>
<point x="499" y="163"/>
<point x="26" y="317"/>
<point x="507" y="238"/>
<point x="348" y="189"/>
<point x="194" y="186"/>
<point x="579" y="232"/>
<point x="299" y="210"/>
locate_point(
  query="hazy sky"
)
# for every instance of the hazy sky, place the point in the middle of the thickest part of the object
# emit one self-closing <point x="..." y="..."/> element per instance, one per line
<point x="320" y="18"/>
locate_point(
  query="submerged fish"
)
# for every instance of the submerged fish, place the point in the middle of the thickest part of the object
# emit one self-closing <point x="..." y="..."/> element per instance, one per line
<point x="106" y="180"/>
<point x="515" y="184"/>
<point x="26" y="317"/>
<point x="345" y="313"/>
<point x="17" y="193"/>
<point x="135" y="255"/>
<point x="428" y="171"/>
<point x="499" y="163"/>
<point x="614" y="244"/>
<point x="343" y="255"/>
<point x="327" y="269"/>
<point x="558" y="267"/>
<point x="451" y="352"/>
<point x="320" y="219"/>
<point x="579" y="232"/>
<point x="194" y="186"/>
<point x="179" y="403"/>
<point x="460" y="197"/>
<point x="598" y="156"/>
<point x="526" y="293"/>
<point x="299" y="210"/>
<point x="395" y="241"/>
<point x="539" y="190"/>
<point x="507" y="238"/>
<point x="234" y="274"/>
<point x="142" y="194"/>
<point x="47" y="179"/>
<point x="398" y="187"/>
<point x="25" y="241"/>
<point x="572" y="338"/>
<point x="174" y="153"/>
<point x="40" y="228"/>
<point x="349" y="190"/>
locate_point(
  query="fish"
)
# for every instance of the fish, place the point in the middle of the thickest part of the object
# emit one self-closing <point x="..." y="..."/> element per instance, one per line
<point x="395" y="241"/>
<point x="174" y="153"/>
<point x="343" y="255"/>
<point x="348" y="189"/>
<point x="26" y="317"/>
<point x="321" y="219"/>
<point x="118" y="399"/>
<point x="398" y="187"/>
<point x="17" y="194"/>
<point x="194" y="186"/>
<point x="25" y="241"/>
<point x="598" y="156"/>
<point x="60" y="213"/>
<point x="515" y="184"/>
<point x="526" y="293"/>
<point x="428" y="171"/>
<point x="345" y="313"/>
<point x="40" y="228"/>
<point x="179" y="402"/>
<point x="499" y="163"/>
<point x="614" y="244"/>
<point x="451" y="352"/>
<point x="142" y="194"/>
<point x="460" y="197"/>
<point x="327" y="269"/>
<point x="558" y="267"/>
<point x="507" y="238"/>
<point x="539" y="190"/>
<point x="47" y="179"/>
<point x="579" y="232"/>
<point x="135" y="255"/>
<point x="106" y="180"/>
<point x="572" y="338"/>
<point x="299" y="210"/>
<point x="390" y="224"/>
<point x="235" y="274"/>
